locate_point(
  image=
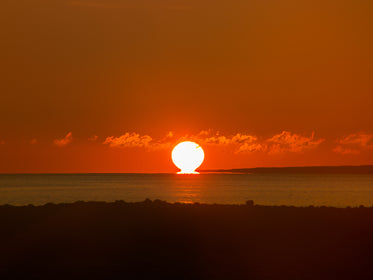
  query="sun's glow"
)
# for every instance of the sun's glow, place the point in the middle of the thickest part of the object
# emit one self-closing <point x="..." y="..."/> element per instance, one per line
<point x="187" y="156"/>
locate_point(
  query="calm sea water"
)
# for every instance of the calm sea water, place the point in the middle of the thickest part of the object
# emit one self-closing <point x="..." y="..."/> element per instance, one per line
<point x="265" y="189"/>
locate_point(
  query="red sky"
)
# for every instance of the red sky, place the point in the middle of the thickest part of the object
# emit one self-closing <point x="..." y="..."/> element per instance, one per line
<point x="96" y="86"/>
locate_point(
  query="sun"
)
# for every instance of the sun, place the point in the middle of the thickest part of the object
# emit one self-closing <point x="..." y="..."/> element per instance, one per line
<point x="187" y="156"/>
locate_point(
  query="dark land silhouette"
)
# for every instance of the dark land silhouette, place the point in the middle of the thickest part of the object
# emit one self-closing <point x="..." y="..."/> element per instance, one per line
<point x="159" y="240"/>
<point x="348" y="169"/>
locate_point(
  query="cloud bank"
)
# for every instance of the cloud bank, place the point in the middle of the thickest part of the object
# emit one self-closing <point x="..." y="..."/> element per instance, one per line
<point x="354" y="143"/>
<point x="241" y="143"/>
<point x="291" y="142"/>
<point x="129" y="140"/>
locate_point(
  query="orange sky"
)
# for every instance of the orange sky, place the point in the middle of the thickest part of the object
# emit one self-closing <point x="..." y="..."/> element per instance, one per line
<point x="256" y="83"/>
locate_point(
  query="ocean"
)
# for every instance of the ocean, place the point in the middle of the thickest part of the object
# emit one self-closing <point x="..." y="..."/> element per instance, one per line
<point x="338" y="190"/>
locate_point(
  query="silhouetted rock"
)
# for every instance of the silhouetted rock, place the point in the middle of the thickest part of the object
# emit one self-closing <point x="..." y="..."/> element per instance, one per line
<point x="250" y="203"/>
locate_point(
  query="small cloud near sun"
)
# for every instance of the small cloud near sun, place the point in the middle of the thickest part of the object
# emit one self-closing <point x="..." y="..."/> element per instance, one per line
<point x="64" y="141"/>
<point x="251" y="147"/>
<point x="170" y="134"/>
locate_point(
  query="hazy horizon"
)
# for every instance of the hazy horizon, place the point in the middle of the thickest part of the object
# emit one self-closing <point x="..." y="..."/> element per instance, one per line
<point x="219" y="170"/>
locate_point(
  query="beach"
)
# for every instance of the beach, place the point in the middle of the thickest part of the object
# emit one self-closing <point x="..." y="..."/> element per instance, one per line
<point x="160" y="240"/>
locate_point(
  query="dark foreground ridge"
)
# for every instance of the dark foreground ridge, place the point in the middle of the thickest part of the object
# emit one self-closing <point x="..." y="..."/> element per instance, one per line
<point x="158" y="240"/>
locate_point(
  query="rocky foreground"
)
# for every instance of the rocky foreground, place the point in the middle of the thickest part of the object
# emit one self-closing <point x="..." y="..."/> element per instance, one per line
<point x="159" y="240"/>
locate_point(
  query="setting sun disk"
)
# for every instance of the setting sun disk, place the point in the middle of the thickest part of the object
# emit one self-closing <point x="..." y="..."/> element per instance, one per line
<point x="187" y="156"/>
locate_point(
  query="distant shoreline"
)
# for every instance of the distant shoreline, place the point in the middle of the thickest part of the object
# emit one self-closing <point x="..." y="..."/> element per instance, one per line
<point x="345" y="169"/>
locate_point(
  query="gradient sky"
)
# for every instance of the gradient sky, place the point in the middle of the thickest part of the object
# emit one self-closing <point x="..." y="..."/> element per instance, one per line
<point x="112" y="85"/>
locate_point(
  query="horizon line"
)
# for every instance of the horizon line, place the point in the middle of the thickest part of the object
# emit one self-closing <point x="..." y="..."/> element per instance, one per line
<point x="217" y="170"/>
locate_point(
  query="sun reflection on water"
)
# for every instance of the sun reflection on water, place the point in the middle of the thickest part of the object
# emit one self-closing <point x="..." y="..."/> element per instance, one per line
<point x="187" y="193"/>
